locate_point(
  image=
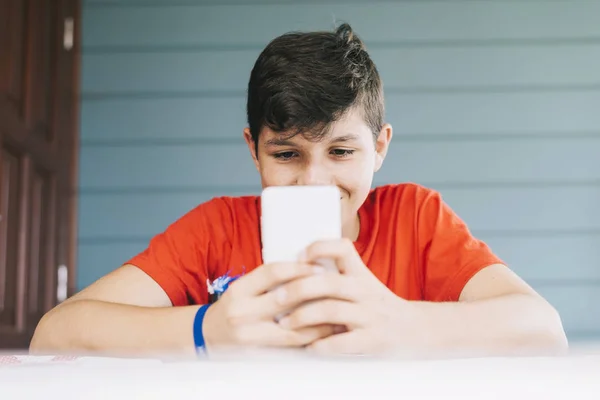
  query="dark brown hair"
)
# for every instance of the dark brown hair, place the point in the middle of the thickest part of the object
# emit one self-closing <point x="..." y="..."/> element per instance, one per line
<point x="304" y="81"/>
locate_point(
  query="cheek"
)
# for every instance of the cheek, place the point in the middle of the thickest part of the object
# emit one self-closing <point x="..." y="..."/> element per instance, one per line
<point x="274" y="174"/>
<point x="357" y="179"/>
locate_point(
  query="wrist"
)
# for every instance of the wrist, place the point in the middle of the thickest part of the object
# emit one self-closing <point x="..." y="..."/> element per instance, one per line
<point x="412" y="332"/>
<point x="199" y="329"/>
<point x="435" y="328"/>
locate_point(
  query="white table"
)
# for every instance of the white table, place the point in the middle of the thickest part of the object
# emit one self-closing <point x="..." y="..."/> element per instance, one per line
<point x="300" y="377"/>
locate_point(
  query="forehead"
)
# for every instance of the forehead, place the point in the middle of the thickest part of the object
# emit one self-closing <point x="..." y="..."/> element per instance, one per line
<point x="351" y="127"/>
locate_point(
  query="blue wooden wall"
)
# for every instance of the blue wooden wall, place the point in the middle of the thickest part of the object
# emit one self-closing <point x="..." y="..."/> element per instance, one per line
<point x="494" y="103"/>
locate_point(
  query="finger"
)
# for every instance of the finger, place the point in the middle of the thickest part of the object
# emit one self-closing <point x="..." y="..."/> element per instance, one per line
<point x="289" y="295"/>
<point x="267" y="277"/>
<point x="292" y="294"/>
<point x="305" y="336"/>
<point x="313" y="287"/>
<point x="320" y="312"/>
<point x="270" y="334"/>
<point x="265" y="307"/>
<point x="341" y="251"/>
<point x="350" y="343"/>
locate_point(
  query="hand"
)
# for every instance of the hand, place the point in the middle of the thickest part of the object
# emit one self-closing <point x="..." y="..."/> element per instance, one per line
<point x="245" y="315"/>
<point x="375" y="319"/>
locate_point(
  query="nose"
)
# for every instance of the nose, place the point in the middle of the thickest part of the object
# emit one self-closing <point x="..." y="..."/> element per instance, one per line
<point x="315" y="174"/>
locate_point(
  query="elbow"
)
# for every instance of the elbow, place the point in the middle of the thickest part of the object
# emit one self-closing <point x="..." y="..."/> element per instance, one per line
<point x="558" y="343"/>
<point x="548" y="336"/>
<point x="51" y="333"/>
<point x="41" y="340"/>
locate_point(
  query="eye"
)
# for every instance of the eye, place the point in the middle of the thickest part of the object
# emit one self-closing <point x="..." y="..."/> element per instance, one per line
<point x="285" y="155"/>
<point x="341" y="153"/>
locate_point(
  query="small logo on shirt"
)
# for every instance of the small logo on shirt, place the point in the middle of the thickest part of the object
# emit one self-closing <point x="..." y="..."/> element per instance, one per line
<point x="217" y="287"/>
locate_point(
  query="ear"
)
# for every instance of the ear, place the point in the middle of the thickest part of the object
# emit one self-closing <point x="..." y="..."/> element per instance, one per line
<point x="382" y="144"/>
<point x="251" y="146"/>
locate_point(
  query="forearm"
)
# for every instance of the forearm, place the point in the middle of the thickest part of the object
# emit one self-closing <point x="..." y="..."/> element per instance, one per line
<point x="509" y="325"/>
<point x="90" y="326"/>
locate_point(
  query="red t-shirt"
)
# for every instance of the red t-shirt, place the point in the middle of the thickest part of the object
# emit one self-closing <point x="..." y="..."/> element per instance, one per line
<point x="409" y="238"/>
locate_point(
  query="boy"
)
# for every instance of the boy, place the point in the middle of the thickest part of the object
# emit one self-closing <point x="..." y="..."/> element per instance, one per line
<point x="413" y="280"/>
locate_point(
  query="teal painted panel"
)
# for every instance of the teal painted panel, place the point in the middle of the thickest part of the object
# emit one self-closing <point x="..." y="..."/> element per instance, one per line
<point x="528" y="208"/>
<point x="448" y="161"/>
<point x="139" y="214"/>
<point x="379" y="22"/>
<point x="162" y="119"/>
<point x="547" y="257"/>
<point x="167" y="72"/>
<point x="96" y="261"/>
<point x="577" y="304"/>
<point x="408" y="69"/>
<point x="505" y="209"/>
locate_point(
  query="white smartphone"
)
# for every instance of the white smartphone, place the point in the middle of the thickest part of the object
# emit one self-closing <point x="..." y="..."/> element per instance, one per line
<point x="293" y="217"/>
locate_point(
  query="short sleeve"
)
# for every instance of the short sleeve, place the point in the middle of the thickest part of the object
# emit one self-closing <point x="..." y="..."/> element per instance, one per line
<point x="451" y="255"/>
<point x="177" y="258"/>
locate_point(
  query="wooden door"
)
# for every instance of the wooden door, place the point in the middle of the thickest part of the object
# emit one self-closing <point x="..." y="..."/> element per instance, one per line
<point x="38" y="118"/>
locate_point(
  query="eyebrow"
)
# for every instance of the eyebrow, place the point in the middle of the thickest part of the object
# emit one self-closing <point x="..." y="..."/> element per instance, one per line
<point x="278" y="142"/>
<point x="345" y="138"/>
<point x="287" y="142"/>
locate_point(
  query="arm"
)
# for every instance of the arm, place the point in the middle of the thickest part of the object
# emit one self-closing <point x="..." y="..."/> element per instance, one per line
<point x="141" y="307"/>
<point x="471" y="304"/>
<point x="497" y="314"/>
<point x="125" y="313"/>
<point x="476" y="304"/>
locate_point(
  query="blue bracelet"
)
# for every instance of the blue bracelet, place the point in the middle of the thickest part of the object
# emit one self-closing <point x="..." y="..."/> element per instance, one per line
<point x="198" y="335"/>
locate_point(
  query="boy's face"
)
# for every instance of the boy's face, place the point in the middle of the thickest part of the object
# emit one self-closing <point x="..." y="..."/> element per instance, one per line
<point x="346" y="157"/>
